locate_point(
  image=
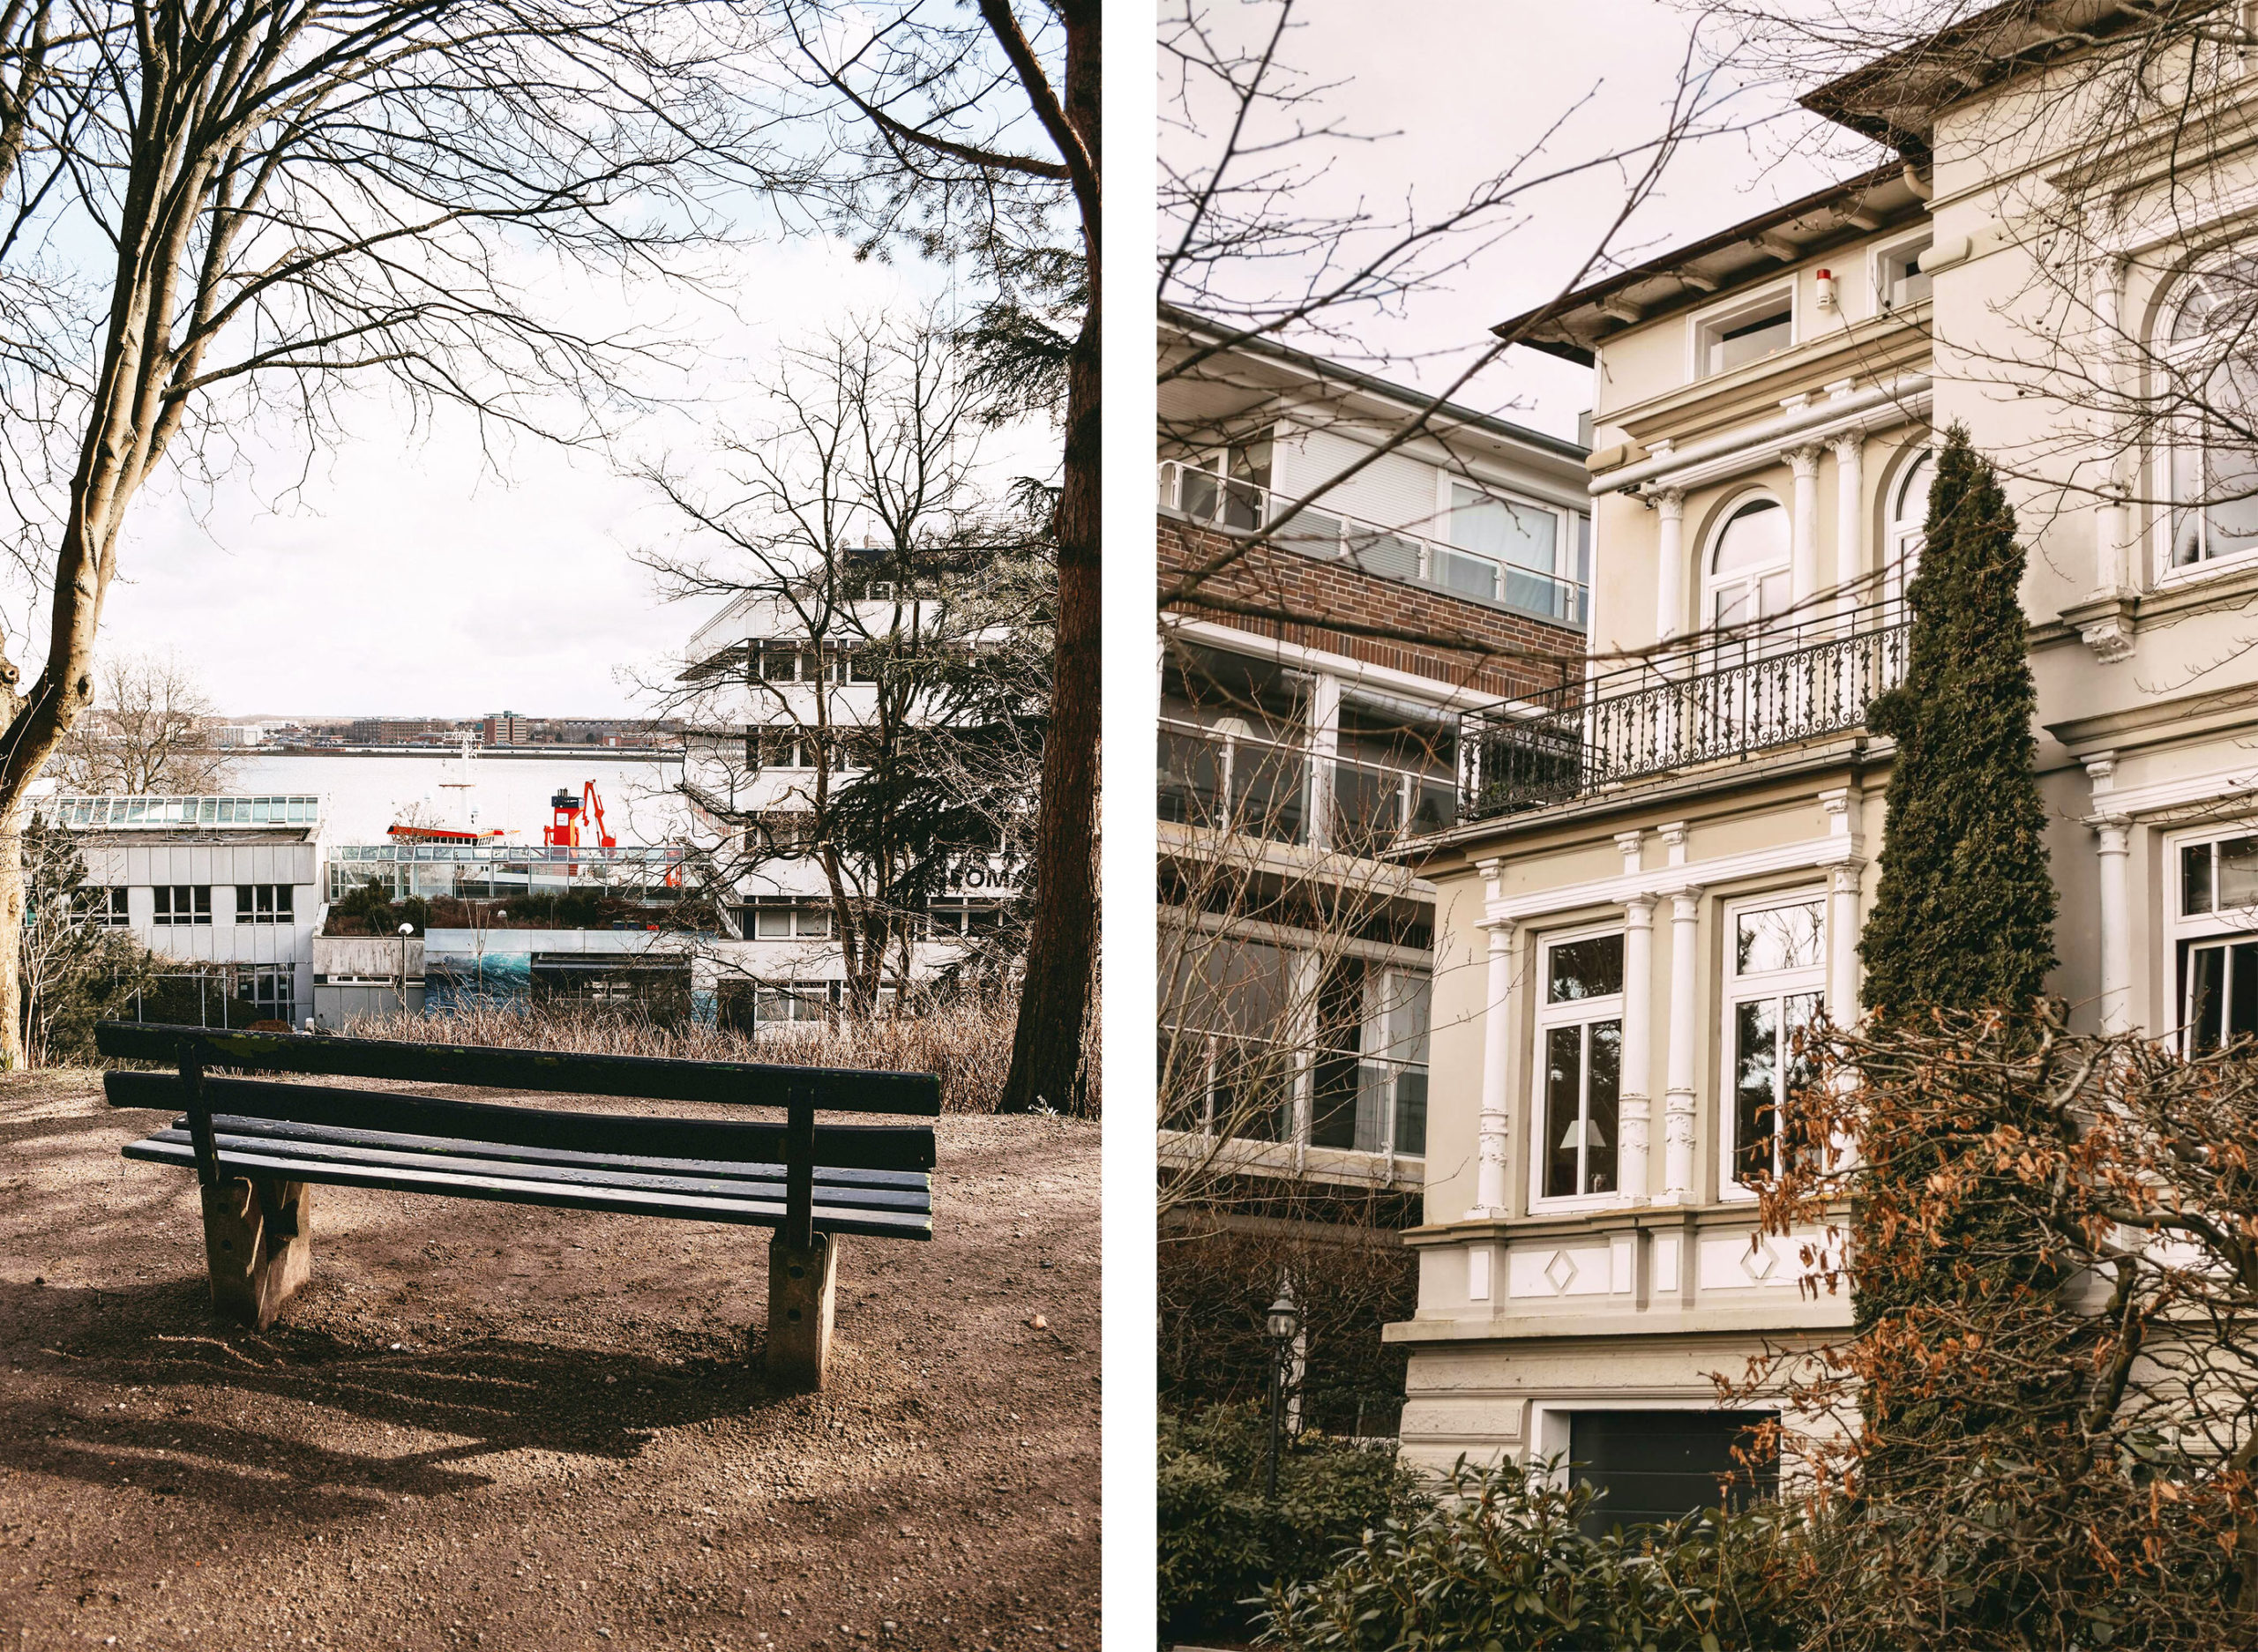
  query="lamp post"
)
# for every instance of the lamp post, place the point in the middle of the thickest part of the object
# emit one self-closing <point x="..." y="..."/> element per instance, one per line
<point x="406" y="929"/>
<point x="1284" y="1319"/>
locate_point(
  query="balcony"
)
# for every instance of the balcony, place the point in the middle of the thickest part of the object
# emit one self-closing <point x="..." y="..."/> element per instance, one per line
<point x="1235" y="506"/>
<point x="1218" y="778"/>
<point x="1736" y="697"/>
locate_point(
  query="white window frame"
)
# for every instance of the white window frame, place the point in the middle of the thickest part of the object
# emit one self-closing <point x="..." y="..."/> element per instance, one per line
<point x="1897" y="535"/>
<point x="1741" y="307"/>
<point x="1571" y="1012"/>
<point x="1877" y="264"/>
<point x="1714" y="541"/>
<point x="1440" y="532"/>
<point x="1388" y="972"/>
<point x="1776" y="985"/>
<point x="2181" y="926"/>
<point x="2161" y="572"/>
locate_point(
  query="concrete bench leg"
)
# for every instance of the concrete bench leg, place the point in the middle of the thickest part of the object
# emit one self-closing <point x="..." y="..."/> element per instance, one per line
<point x="258" y="1245"/>
<point x="800" y="1278"/>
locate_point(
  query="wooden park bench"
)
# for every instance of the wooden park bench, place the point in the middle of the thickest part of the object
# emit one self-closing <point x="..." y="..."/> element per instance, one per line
<point x="258" y="1148"/>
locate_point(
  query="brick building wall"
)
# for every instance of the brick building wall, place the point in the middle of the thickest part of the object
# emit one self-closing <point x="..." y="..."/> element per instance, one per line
<point x="1337" y="607"/>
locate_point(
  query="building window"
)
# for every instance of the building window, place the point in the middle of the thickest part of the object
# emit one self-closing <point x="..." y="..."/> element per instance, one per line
<point x="1369" y="1081"/>
<point x="1655" y="1467"/>
<point x="1899" y="280"/>
<point x="268" y="995"/>
<point x="788" y="920"/>
<point x="1748" y="578"/>
<point x="2218" y="970"/>
<point x="264" y="903"/>
<point x="1775" y="992"/>
<point x="1227" y="1064"/>
<point x="104" y="907"/>
<point x="1764" y="326"/>
<point x="776" y="748"/>
<point x="1508" y="551"/>
<point x="1580" y="1065"/>
<point x="1908" y="525"/>
<point x="2214" y="470"/>
<point x="181" y="904"/>
<point x="1227" y="486"/>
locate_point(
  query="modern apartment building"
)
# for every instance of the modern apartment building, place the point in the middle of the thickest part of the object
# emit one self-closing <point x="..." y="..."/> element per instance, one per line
<point x="1315" y="666"/>
<point x="781" y="715"/>
<point x="1659" y="873"/>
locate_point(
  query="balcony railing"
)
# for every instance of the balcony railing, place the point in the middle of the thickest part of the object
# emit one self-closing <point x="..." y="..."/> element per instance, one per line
<point x="1238" y="506"/>
<point x="1769" y="687"/>
<point x="1288" y="793"/>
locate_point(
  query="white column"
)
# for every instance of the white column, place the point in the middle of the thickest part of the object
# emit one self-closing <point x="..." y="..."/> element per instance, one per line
<point x="1850" y="518"/>
<point x="1803" y="566"/>
<point x="1636" y="1110"/>
<point x="1669" y="567"/>
<point x="2115" y="849"/>
<point x="1684" y="1007"/>
<point x="1324" y="746"/>
<point x="1842" y="945"/>
<point x="1497" y="1046"/>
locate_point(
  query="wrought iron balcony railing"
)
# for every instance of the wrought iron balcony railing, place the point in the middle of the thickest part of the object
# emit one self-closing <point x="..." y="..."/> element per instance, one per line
<point x="1239" y="506"/>
<point x="1755" y="691"/>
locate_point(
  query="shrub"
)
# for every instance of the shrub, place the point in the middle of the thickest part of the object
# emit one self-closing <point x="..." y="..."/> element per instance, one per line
<point x="1502" y="1563"/>
<point x="1222" y="1540"/>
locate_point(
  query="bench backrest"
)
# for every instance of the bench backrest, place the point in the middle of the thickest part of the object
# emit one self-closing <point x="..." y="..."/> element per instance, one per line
<point x="800" y="1091"/>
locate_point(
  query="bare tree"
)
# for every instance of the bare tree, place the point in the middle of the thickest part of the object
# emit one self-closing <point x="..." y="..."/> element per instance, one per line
<point x="147" y="731"/>
<point x="877" y="710"/>
<point x="218" y="212"/>
<point x="973" y="131"/>
<point x="1250" y="251"/>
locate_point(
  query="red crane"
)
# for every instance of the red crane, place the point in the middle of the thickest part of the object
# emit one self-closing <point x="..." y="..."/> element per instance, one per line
<point x="563" y="831"/>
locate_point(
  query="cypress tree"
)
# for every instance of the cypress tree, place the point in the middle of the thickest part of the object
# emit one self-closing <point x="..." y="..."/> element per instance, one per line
<point x="1961" y="928"/>
<point x="1964" y="920"/>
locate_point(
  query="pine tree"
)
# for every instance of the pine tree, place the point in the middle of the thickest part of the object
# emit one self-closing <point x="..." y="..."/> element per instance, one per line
<point x="1964" y="919"/>
<point x="1961" y="928"/>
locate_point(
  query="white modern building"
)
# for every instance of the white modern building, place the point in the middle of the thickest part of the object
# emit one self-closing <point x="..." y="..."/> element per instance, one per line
<point x="783" y="704"/>
<point x="229" y="884"/>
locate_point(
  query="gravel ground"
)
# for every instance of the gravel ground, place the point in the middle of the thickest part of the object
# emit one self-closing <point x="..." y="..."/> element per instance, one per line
<point x="499" y="1426"/>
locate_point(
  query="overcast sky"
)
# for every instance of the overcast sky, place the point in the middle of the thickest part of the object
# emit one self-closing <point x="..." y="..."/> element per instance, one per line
<point x="1466" y="85"/>
<point x="406" y="578"/>
<point x="403" y="578"/>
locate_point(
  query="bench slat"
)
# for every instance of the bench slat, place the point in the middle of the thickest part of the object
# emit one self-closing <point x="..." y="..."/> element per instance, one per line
<point x="845" y="1146"/>
<point x="761" y="1182"/>
<point x="644" y="1077"/>
<point x="520" y="1190"/>
<point x="288" y="1130"/>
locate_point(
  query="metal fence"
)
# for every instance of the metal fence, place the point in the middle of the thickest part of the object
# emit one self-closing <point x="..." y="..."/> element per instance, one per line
<point x="1289" y="794"/>
<point x="1769" y="687"/>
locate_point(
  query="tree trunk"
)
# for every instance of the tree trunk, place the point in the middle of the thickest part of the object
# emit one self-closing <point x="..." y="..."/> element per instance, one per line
<point x="1062" y="931"/>
<point x="12" y="1055"/>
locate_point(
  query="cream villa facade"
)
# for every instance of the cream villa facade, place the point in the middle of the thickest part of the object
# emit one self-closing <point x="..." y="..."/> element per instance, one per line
<point x="1654" y="881"/>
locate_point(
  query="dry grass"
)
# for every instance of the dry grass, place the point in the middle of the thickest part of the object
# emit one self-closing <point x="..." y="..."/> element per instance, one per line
<point x="967" y="1041"/>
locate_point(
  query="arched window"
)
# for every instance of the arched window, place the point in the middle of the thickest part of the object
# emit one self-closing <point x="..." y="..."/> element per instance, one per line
<point x="2212" y="361"/>
<point x="1909" y="521"/>
<point x="1748" y="571"/>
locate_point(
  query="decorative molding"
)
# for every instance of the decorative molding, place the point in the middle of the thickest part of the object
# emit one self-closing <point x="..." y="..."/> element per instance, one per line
<point x="2105" y="625"/>
<point x="1674" y="879"/>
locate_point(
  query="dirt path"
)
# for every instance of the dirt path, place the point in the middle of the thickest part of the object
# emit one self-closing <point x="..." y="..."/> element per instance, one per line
<point x="495" y="1426"/>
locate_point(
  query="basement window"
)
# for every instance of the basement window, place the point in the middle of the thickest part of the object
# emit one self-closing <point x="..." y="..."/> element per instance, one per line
<point x="1746" y="333"/>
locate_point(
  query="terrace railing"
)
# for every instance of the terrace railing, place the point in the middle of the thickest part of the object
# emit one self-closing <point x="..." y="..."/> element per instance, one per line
<point x="1288" y="793"/>
<point x="1757" y="691"/>
<point x="1393" y="553"/>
